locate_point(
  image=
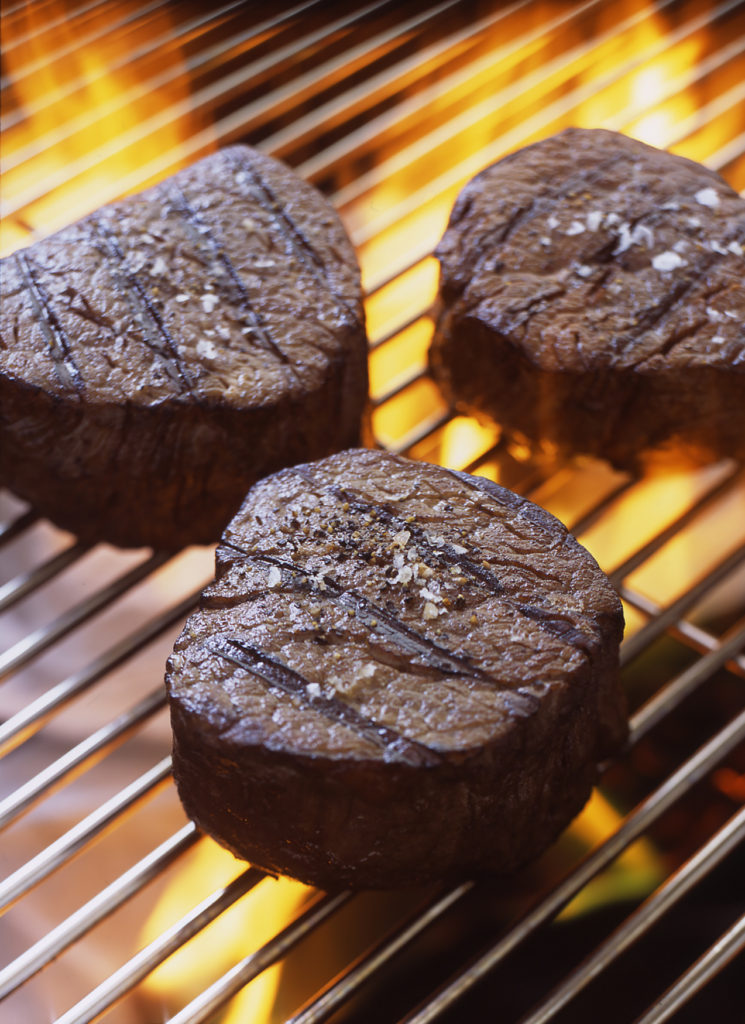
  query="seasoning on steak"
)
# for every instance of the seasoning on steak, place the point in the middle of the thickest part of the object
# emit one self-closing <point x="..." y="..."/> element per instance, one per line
<point x="593" y="300"/>
<point x="400" y="673"/>
<point x="160" y="355"/>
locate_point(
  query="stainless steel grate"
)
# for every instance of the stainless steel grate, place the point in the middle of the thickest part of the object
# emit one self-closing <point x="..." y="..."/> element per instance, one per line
<point x="389" y="107"/>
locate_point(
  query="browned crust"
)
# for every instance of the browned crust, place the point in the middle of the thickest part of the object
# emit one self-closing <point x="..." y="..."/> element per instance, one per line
<point x="558" y="319"/>
<point x="158" y="357"/>
<point x="305" y="590"/>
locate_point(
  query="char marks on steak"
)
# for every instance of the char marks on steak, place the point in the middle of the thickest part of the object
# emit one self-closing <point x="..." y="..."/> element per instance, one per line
<point x="593" y="299"/>
<point x="400" y="673"/>
<point x="165" y="352"/>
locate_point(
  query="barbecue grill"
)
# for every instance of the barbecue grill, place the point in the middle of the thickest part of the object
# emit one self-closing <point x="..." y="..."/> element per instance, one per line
<point x="115" y="907"/>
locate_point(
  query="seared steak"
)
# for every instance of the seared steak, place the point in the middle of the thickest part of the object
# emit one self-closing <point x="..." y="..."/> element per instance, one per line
<point x="400" y="673"/>
<point x="160" y="355"/>
<point x="593" y="298"/>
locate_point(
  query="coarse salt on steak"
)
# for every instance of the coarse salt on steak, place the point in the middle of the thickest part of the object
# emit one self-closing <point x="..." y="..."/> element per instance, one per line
<point x="593" y="300"/>
<point x="400" y="673"/>
<point x="160" y="355"/>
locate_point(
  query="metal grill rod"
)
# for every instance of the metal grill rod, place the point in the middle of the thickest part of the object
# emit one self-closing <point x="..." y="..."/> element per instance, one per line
<point x="387" y="276"/>
<point x="26" y="584"/>
<point x="96" y="909"/>
<point x="72" y="842"/>
<point x="475" y="114"/>
<point x="349" y="983"/>
<point x="35" y="66"/>
<point x="410" y="108"/>
<point x="273" y="103"/>
<point x="583" y="524"/>
<point x="365" y="974"/>
<point x="49" y="24"/>
<point x="703" y="502"/>
<point x="664" y="619"/>
<point x="637" y="822"/>
<point x="22" y="6"/>
<point x="728" y="152"/>
<point x="424" y="429"/>
<point x="732" y="98"/>
<point x="422" y="313"/>
<point x="730" y="945"/>
<point x="538" y="125"/>
<point x="688" y="78"/>
<point x="31" y="718"/>
<point x="672" y="695"/>
<point x="686" y="632"/>
<point x="216" y="54"/>
<point x="80" y="757"/>
<point x="22" y="652"/>
<point x="516" y="138"/>
<point x="216" y="995"/>
<point x="12" y="529"/>
<point x="121" y="981"/>
<point x="721" y="844"/>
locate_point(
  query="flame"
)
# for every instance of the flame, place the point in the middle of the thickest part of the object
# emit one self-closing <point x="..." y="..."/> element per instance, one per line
<point x="242" y="929"/>
<point x="657" y="128"/>
<point x="81" y="99"/>
<point x="464" y="440"/>
<point x="633" y="874"/>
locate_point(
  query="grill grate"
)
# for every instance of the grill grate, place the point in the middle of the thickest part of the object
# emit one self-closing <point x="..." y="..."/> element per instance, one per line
<point x="389" y="108"/>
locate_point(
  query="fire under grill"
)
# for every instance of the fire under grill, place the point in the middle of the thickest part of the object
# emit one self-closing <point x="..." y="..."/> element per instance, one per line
<point x="114" y="906"/>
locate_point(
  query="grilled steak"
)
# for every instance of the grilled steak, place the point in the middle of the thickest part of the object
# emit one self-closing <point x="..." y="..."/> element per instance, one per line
<point x="593" y="299"/>
<point x="160" y="355"/>
<point x="400" y="673"/>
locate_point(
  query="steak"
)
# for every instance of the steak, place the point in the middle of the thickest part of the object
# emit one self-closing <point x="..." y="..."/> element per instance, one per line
<point x="160" y="355"/>
<point x="401" y="673"/>
<point x="593" y="300"/>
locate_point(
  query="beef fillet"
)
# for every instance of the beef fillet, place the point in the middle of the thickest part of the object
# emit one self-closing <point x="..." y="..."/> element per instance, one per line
<point x="401" y="673"/>
<point x="593" y="299"/>
<point x="160" y="355"/>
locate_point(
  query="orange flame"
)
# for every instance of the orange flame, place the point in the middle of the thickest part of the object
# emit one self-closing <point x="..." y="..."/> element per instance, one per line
<point x="239" y="931"/>
<point x="74" y="103"/>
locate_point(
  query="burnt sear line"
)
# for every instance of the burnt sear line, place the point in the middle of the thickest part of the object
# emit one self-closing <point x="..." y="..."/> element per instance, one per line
<point x="555" y="625"/>
<point x="537" y="207"/>
<point x="284" y="678"/>
<point x="675" y="297"/>
<point x="160" y="342"/>
<point x="293" y="234"/>
<point x="377" y="619"/>
<point x="201" y="231"/>
<point x="60" y="347"/>
<point x="444" y="552"/>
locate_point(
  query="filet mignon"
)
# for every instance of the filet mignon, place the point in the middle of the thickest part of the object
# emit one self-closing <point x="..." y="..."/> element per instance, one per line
<point x="400" y="673"/>
<point x="593" y="300"/>
<point x="160" y="355"/>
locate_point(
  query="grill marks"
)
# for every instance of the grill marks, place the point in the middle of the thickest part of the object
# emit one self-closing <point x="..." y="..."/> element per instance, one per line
<point x="678" y="293"/>
<point x="201" y="230"/>
<point x="479" y="574"/>
<point x="444" y="554"/>
<point x="278" y="675"/>
<point x="59" y="343"/>
<point x="547" y="202"/>
<point x="160" y="340"/>
<point x="373" y="617"/>
<point x="291" y="232"/>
